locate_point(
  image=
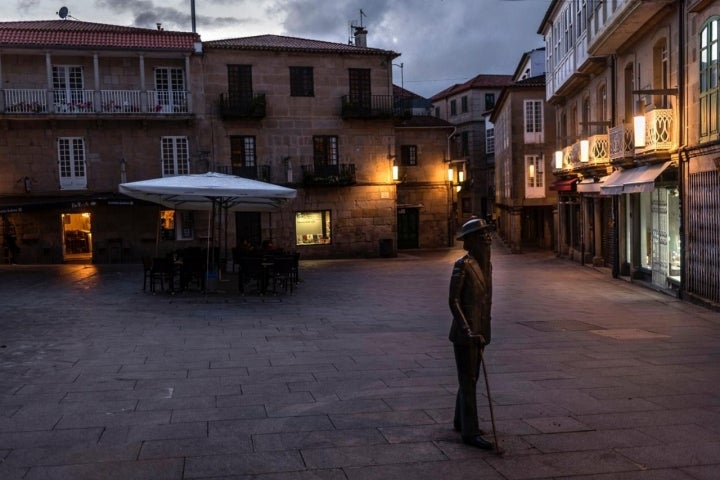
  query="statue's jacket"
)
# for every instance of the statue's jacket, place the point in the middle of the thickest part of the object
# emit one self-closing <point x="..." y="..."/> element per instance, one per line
<point x="470" y="300"/>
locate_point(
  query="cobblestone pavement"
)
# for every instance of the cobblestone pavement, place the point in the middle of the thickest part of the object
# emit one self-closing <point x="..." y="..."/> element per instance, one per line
<point x="352" y="376"/>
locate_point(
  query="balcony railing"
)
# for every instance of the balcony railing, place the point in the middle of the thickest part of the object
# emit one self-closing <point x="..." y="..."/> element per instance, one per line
<point x="599" y="151"/>
<point x="373" y="106"/>
<point x="329" y="175"/>
<point x="621" y="142"/>
<point x="24" y="100"/>
<point x="251" y="106"/>
<point x="75" y="102"/>
<point x="658" y="131"/>
<point x="257" y="172"/>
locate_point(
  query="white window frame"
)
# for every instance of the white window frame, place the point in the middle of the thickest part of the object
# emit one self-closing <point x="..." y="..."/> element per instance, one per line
<point x="170" y="90"/>
<point x="174" y="156"/>
<point x="72" y="168"/>
<point x="534" y="119"/>
<point x="534" y="176"/>
<point x="69" y="93"/>
<point x="490" y="138"/>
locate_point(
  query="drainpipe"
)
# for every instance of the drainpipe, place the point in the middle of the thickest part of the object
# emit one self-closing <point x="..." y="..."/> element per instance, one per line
<point x="682" y="165"/>
<point x="614" y="199"/>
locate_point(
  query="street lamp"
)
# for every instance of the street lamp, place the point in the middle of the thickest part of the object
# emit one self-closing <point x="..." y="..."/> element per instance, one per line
<point x="402" y="69"/>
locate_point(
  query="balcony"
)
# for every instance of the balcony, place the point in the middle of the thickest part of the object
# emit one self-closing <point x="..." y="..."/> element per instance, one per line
<point x="568" y="161"/>
<point x="329" y="175"/>
<point x="612" y="24"/>
<point x="373" y="106"/>
<point x="658" y="131"/>
<point x="93" y="102"/>
<point x="257" y="172"/>
<point x="622" y="148"/>
<point x="599" y="150"/>
<point x="236" y="106"/>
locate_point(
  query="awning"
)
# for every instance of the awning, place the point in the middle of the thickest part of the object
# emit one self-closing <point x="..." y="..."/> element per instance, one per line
<point x="633" y="180"/>
<point x="29" y="203"/>
<point x="590" y="185"/>
<point x="566" y="185"/>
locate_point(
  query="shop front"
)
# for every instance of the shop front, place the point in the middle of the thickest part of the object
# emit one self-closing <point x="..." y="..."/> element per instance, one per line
<point x="648" y="223"/>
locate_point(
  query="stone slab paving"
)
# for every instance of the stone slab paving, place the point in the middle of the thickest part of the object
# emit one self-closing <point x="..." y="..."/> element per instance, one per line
<point x="352" y="376"/>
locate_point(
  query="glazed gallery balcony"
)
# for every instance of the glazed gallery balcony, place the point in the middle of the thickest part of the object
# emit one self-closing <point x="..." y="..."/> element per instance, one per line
<point x="18" y="101"/>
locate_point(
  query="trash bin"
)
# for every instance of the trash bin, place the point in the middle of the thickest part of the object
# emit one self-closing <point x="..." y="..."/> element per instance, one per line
<point x="386" y="247"/>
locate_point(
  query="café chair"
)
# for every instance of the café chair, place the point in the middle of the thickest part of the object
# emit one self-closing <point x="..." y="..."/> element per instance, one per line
<point x="249" y="269"/>
<point x="282" y="273"/>
<point x="162" y="270"/>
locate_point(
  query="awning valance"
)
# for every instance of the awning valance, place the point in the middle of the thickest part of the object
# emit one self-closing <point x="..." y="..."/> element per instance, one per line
<point x="566" y="185"/>
<point x="590" y="185"/>
<point x="633" y="180"/>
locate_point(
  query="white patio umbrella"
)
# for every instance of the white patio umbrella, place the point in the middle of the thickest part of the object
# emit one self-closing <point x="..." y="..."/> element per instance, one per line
<point x="210" y="191"/>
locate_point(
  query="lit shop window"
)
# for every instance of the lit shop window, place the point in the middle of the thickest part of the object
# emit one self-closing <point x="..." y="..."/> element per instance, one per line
<point x="167" y="224"/>
<point x="178" y="225"/>
<point x="312" y="228"/>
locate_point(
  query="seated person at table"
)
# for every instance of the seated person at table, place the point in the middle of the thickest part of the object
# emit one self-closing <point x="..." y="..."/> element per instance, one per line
<point x="268" y="247"/>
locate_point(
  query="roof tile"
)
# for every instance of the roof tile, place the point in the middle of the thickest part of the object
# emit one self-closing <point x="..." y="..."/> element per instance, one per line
<point x="292" y="44"/>
<point x="74" y="33"/>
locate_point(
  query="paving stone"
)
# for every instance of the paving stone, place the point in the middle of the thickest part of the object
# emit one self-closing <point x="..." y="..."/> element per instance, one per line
<point x="371" y="455"/>
<point x="164" y="469"/>
<point x="242" y="464"/>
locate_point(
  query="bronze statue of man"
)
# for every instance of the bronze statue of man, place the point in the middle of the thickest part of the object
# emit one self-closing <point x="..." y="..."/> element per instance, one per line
<point x="470" y="303"/>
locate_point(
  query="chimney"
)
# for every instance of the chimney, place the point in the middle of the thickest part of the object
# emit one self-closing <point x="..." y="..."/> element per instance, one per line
<point x="360" y="37"/>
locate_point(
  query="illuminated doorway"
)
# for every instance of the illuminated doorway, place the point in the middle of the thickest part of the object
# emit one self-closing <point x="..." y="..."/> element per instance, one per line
<point x="77" y="237"/>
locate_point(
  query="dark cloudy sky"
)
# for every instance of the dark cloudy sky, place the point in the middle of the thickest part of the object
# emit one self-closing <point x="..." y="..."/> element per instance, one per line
<point x="442" y="42"/>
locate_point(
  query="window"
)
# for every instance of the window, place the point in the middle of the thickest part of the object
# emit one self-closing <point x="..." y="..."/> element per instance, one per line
<point x="313" y="228"/>
<point x="242" y="156"/>
<point x="534" y="176"/>
<point x="177" y="225"/>
<point x="464" y="104"/>
<point x="167" y="224"/>
<point x="408" y="155"/>
<point x="534" y="121"/>
<point x="325" y="156"/>
<point x="71" y="163"/>
<point x="301" y="82"/>
<point x="240" y="90"/>
<point x="359" y="84"/>
<point x="602" y="115"/>
<point x="174" y="155"/>
<point x="489" y="101"/>
<point x="325" y="150"/>
<point x="453" y="107"/>
<point x="185" y="224"/>
<point x="709" y="78"/>
<point x="170" y="90"/>
<point x="490" y="140"/>
<point x="465" y="144"/>
<point x="68" y="93"/>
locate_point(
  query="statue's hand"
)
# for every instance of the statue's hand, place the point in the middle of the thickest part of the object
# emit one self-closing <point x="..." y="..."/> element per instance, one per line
<point x="478" y="338"/>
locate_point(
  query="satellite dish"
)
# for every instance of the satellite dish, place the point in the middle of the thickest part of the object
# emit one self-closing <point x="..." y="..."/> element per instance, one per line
<point x="63" y="13"/>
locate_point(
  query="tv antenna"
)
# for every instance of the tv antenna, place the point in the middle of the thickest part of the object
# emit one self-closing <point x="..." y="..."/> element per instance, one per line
<point x="64" y="13"/>
<point x="354" y="27"/>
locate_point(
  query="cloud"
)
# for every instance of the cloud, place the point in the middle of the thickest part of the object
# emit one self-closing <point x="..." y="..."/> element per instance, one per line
<point x="27" y="5"/>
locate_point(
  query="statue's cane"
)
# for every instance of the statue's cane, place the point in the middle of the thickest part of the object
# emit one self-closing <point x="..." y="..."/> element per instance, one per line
<point x="498" y="450"/>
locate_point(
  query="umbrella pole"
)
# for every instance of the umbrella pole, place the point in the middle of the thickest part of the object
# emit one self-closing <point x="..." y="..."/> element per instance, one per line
<point x="158" y="223"/>
<point x="207" y="255"/>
